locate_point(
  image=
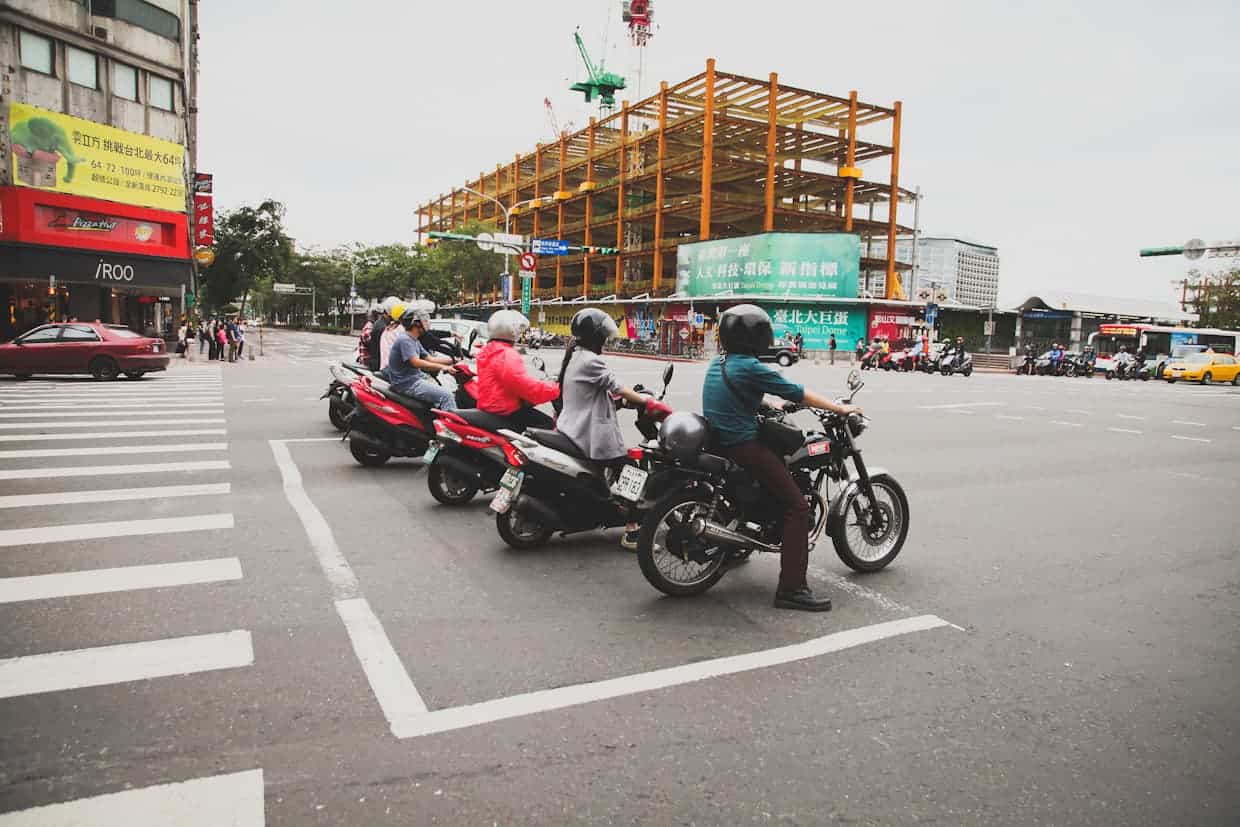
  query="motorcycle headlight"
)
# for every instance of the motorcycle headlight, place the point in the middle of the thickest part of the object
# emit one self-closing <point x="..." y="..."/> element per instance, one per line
<point x="856" y="425"/>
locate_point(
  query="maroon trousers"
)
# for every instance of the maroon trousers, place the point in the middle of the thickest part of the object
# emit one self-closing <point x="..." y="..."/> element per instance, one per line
<point x="769" y="470"/>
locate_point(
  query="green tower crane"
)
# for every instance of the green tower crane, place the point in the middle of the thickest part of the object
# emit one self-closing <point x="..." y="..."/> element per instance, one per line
<point x="601" y="85"/>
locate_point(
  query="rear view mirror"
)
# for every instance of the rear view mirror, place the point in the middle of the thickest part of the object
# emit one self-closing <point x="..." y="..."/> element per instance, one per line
<point x="667" y="373"/>
<point x="854" y="379"/>
<point x="540" y="364"/>
<point x="473" y="337"/>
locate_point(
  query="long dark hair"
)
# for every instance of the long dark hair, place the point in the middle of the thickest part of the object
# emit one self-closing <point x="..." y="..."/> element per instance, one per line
<point x="558" y="402"/>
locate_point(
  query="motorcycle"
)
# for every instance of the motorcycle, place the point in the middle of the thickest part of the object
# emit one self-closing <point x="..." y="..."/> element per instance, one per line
<point x="1028" y="366"/>
<point x="339" y="393"/>
<point x="872" y="359"/>
<point x="710" y="513"/>
<point x="1130" y="370"/>
<point x="948" y="364"/>
<point x="552" y="487"/>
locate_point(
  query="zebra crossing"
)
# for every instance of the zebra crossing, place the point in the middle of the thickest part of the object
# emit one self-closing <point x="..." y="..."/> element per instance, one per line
<point x="88" y="471"/>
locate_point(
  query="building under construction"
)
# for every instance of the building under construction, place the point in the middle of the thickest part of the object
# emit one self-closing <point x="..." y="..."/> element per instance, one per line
<point x="715" y="156"/>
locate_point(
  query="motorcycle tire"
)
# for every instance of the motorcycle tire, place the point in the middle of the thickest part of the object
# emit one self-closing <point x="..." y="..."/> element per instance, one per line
<point x="521" y="534"/>
<point x="448" y="487"/>
<point x="947" y="370"/>
<point x="336" y="416"/>
<point x="968" y="371"/>
<point x="367" y="456"/>
<point x="651" y="522"/>
<point x="895" y="528"/>
<point x="1110" y="374"/>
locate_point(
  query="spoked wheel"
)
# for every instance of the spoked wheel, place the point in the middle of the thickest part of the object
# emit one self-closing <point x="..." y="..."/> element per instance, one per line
<point x="869" y="535"/>
<point x="450" y="487"/>
<point x="521" y="531"/>
<point x="366" y="455"/>
<point x="673" y="560"/>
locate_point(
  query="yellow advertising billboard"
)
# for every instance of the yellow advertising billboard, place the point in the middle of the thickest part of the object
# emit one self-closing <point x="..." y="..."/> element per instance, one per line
<point x="59" y="152"/>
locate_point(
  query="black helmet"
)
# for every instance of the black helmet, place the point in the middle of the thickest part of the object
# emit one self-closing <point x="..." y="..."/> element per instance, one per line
<point x="745" y="328"/>
<point x="684" y="435"/>
<point x="593" y="327"/>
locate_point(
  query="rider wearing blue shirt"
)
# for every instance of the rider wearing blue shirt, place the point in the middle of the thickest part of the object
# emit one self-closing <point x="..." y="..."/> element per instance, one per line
<point x="732" y="418"/>
<point x="409" y="363"/>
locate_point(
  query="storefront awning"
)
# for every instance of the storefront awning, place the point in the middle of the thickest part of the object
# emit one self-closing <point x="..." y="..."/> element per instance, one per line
<point x="71" y="266"/>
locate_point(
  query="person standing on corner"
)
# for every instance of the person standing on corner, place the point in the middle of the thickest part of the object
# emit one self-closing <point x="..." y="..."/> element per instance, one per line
<point x="831" y="347"/>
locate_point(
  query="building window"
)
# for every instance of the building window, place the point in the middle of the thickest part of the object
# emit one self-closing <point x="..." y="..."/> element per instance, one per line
<point x="83" y="67"/>
<point x="37" y="53"/>
<point x="160" y="93"/>
<point x="124" y="81"/>
<point x="140" y="13"/>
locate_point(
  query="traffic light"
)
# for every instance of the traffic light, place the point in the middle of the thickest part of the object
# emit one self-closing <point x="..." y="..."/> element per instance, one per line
<point x="601" y="251"/>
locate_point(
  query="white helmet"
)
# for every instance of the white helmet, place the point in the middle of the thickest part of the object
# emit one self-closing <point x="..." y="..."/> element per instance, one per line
<point x="507" y="324"/>
<point x="387" y="304"/>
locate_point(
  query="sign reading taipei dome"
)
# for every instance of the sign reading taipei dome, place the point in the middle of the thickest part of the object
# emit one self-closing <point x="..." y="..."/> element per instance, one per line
<point x="797" y="265"/>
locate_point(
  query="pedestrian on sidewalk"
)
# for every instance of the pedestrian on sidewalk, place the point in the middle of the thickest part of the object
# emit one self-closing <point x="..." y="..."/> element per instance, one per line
<point x="230" y="330"/>
<point x="221" y="340"/>
<point x="860" y="350"/>
<point x="240" y="337"/>
<point x="183" y="339"/>
<point x="203" y="338"/>
<point x="831" y="347"/>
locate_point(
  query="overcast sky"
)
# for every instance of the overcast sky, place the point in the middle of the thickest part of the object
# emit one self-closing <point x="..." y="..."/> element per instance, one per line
<point x="1069" y="135"/>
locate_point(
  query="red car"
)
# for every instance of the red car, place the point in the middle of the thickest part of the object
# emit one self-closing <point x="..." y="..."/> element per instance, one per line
<point x="103" y="350"/>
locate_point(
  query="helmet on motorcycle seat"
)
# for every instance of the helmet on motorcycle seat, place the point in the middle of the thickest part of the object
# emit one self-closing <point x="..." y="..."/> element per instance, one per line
<point x="684" y="435"/>
<point x="592" y="327"/>
<point x="414" y="315"/>
<point x="745" y="328"/>
<point x="507" y="325"/>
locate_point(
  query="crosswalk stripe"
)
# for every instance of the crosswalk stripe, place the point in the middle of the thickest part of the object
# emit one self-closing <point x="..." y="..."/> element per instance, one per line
<point x="179" y="448"/>
<point x="123" y="579"/>
<point x="107" y="470"/>
<point x="234" y="799"/>
<point x="111" y="406"/>
<point x="9" y="426"/>
<point x="112" y="435"/>
<point x="207" y="408"/>
<point x="119" y="528"/>
<point x="111" y="495"/>
<point x="124" y="662"/>
<point x="142" y="394"/>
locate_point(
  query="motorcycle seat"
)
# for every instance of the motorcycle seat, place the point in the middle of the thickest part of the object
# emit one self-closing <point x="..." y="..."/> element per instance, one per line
<point x="555" y="441"/>
<point x="712" y="464"/>
<point x="420" y="408"/>
<point x="485" y="421"/>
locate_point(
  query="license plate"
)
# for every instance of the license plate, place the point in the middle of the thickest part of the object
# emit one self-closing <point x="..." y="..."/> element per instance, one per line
<point x="631" y="484"/>
<point x="502" y="501"/>
<point x="432" y="451"/>
<point x="511" y="481"/>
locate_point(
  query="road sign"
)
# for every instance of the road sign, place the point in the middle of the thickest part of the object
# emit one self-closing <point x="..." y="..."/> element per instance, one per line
<point x="988" y="328"/>
<point x="508" y="240"/>
<point x="932" y="313"/>
<point x="550" y="246"/>
<point x="486" y="242"/>
<point x="282" y="287"/>
<point x="1194" y="249"/>
<point x="528" y="261"/>
<point x="684" y="333"/>
<point x="698" y="320"/>
<point x="189" y="300"/>
<point x="527" y="288"/>
<point x="505" y="282"/>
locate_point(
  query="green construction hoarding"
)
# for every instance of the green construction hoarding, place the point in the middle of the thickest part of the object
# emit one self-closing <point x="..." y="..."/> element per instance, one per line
<point x="817" y="321"/>
<point x="783" y="265"/>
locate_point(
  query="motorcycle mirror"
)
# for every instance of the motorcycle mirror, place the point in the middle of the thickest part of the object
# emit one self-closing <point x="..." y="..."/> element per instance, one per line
<point x="667" y="373"/>
<point x="473" y="337"/>
<point x="854" y="380"/>
<point x="540" y="364"/>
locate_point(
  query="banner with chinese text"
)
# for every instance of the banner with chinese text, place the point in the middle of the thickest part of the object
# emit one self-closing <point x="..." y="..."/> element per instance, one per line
<point x="58" y="152"/>
<point x="204" y="210"/>
<point x="816" y="323"/>
<point x="771" y="264"/>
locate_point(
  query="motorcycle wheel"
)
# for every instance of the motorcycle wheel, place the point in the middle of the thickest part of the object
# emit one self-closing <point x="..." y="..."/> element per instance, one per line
<point x="1110" y="374"/>
<point x="336" y="416"/>
<point x="946" y="370"/>
<point x="449" y="487"/>
<point x="365" y="455"/>
<point x="968" y="371"/>
<point x="663" y="554"/>
<point x="866" y="549"/>
<point x="521" y="533"/>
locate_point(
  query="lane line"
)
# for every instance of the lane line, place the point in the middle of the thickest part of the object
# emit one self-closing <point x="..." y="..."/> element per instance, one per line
<point x="110" y="495"/>
<point x="337" y="569"/>
<point x="1009" y="416"/>
<point x="1067" y="424"/>
<point x="112" y="407"/>
<point x="1186" y="422"/>
<point x="1078" y="411"/>
<point x="112" y="470"/>
<point x="119" y="423"/>
<point x="111" y="435"/>
<point x="1130" y="416"/>
<point x="444" y="720"/>
<point x="959" y="405"/>
<point x="111" y="397"/>
<point x="121" y="579"/>
<point x="233" y="799"/>
<point x="118" y="528"/>
<point x="205" y="409"/>
<point x="962" y="412"/>
<point x="394" y="690"/>
<point x="124" y="662"/>
<point x="1123" y="431"/>
<point x="264" y="399"/>
<point x="181" y="448"/>
<point x="1189" y="438"/>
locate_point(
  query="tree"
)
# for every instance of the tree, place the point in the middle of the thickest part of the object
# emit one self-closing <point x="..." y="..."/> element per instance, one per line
<point x="250" y="244"/>
<point x="453" y="266"/>
<point x="1218" y="299"/>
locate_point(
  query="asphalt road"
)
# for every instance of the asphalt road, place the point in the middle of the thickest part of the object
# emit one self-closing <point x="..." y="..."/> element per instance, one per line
<point x="268" y="647"/>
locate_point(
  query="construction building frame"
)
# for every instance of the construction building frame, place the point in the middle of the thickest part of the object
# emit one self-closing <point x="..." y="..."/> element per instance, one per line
<point x="716" y="156"/>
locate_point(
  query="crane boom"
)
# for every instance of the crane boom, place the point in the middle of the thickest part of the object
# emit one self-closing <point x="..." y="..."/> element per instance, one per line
<point x="585" y="57"/>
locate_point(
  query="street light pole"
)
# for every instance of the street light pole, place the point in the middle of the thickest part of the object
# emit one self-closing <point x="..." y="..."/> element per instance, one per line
<point x="507" y="218"/>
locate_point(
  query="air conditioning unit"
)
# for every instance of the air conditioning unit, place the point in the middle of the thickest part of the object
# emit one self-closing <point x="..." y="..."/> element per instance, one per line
<point x="100" y="33"/>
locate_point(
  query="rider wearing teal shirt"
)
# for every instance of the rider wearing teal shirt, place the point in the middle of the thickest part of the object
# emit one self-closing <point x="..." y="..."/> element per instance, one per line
<point x="731" y="415"/>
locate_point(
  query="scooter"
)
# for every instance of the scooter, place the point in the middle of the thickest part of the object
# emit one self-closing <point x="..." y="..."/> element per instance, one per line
<point x="553" y="487"/>
<point x="948" y="365"/>
<point x="339" y="393"/>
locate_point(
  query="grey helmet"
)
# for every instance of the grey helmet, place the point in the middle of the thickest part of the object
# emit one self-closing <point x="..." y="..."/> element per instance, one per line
<point x="684" y="435"/>
<point x="507" y="324"/>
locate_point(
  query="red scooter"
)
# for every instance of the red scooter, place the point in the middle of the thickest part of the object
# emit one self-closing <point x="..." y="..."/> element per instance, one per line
<point x="469" y="455"/>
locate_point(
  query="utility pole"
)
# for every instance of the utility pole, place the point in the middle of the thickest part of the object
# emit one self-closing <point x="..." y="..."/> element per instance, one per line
<point x="916" y="238"/>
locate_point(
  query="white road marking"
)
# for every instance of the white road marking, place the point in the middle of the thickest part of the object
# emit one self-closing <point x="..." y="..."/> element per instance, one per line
<point x="180" y="448"/>
<point x="128" y="578"/>
<point x="1009" y="416"/>
<point x="211" y="408"/>
<point x="335" y="566"/>
<point x="1186" y="422"/>
<point x="113" y="397"/>
<point x="444" y="720"/>
<point x="1123" y="431"/>
<point x="124" y="662"/>
<point x="264" y="399"/>
<point x="119" y="528"/>
<point x="961" y="412"/>
<point x="1189" y="438"/>
<point x="117" y="423"/>
<point x="1078" y="411"/>
<point x="1130" y="416"/>
<point x="958" y="405"/>
<point x="1067" y="424"/>
<point x="857" y="590"/>
<point x="111" y="435"/>
<point x="235" y="800"/>
<point x="120" y="408"/>
<point x="113" y="470"/>
<point x="394" y="690"/>
<point x="111" y="495"/>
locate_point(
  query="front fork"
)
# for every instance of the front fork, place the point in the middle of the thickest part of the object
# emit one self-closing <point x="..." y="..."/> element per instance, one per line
<point x="863" y="482"/>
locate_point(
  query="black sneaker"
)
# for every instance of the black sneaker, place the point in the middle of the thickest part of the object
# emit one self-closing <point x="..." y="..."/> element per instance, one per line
<point x="803" y="600"/>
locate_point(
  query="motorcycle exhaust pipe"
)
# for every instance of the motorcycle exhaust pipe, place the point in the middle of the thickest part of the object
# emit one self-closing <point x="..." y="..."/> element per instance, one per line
<point x="461" y="467"/>
<point x="367" y="440"/>
<point x="528" y="505"/>
<point x="706" y="529"/>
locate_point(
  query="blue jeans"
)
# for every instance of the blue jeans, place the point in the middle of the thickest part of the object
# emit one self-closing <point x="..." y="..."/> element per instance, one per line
<point x="430" y="393"/>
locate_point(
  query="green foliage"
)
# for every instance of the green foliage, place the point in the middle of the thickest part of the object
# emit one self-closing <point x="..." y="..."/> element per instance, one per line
<point x="250" y="246"/>
<point x="1218" y="300"/>
<point x="456" y="265"/>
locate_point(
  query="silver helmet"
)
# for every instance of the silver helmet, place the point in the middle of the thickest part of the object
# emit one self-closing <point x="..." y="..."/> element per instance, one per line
<point x="507" y="324"/>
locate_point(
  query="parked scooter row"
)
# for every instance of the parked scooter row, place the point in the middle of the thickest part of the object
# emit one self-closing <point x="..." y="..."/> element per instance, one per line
<point x="951" y="360"/>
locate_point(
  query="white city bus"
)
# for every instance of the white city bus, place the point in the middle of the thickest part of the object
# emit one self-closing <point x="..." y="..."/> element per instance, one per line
<point x="1161" y="343"/>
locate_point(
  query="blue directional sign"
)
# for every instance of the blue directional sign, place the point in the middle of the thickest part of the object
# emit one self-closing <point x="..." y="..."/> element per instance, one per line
<point x="932" y="313"/>
<point x="549" y="247"/>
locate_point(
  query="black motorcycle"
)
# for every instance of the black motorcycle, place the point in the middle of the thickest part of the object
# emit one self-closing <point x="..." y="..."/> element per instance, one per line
<point x="714" y="513"/>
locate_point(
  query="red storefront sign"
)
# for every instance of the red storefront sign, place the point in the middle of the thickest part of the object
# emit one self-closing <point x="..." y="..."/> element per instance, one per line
<point x="33" y="216"/>
<point x="893" y="324"/>
<point x="204" y="210"/>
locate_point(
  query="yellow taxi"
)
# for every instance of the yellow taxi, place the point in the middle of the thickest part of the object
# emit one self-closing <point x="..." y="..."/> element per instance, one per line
<point x="1206" y="368"/>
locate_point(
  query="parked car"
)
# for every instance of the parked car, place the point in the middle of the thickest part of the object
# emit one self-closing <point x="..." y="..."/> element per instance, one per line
<point x="1206" y="368"/>
<point x="783" y="352"/>
<point x="104" y="351"/>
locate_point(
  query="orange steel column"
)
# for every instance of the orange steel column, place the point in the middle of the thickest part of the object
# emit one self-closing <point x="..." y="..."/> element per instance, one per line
<point x="498" y="214"/>
<point x="559" y="222"/>
<point x="708" y="151"/>
<point x="624" y="138"/>
<point x="658" y="187"/>
<point x="516" y="191"/>
<point x="453" y="208"/>
<point x="418" y="228"/>
<point x="537" y="207"/>
<point x="852" y="160"/>
<point x="894" y="290"/>
<point x="768" y="223"/>
<point x="585" y="258"/>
